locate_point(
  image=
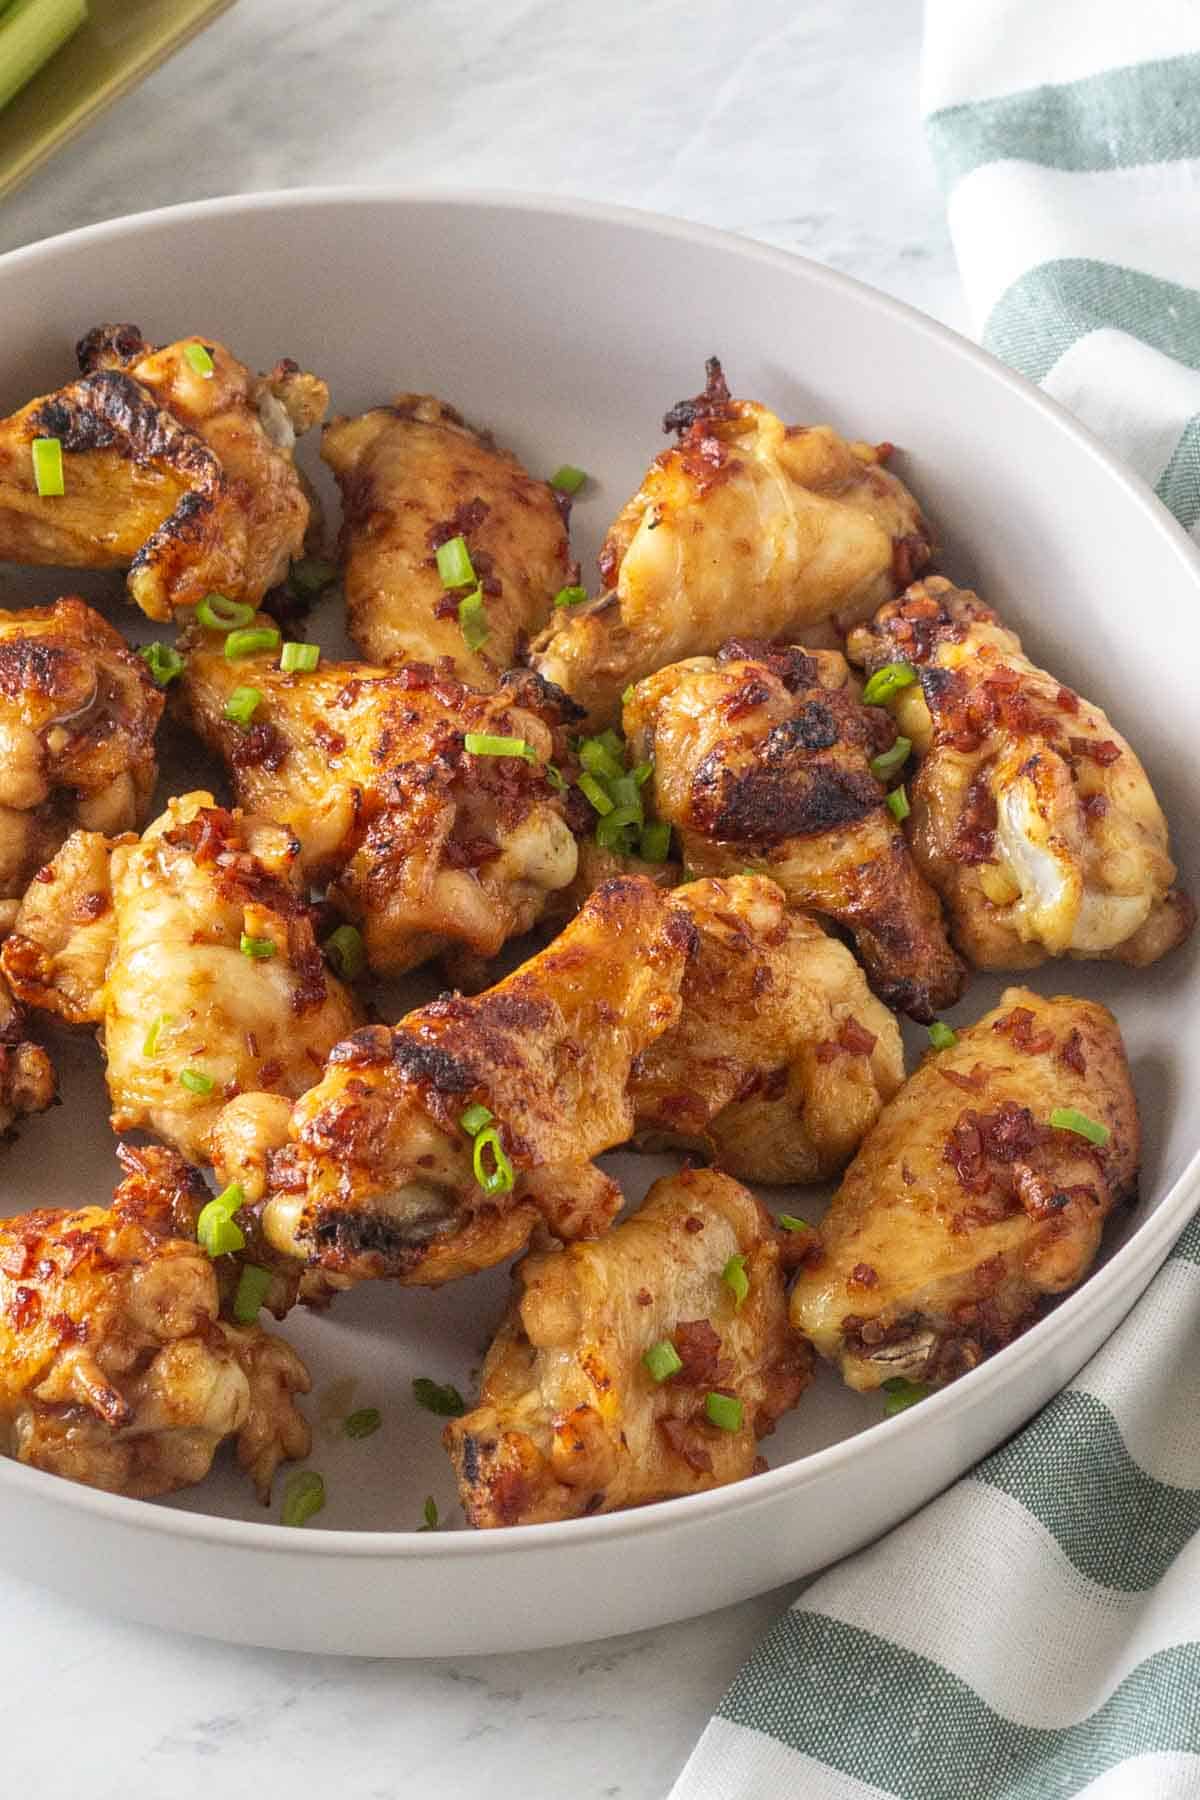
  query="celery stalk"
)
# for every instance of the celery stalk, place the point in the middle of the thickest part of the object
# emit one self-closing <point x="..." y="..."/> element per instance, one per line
<point x="30" y="33"/>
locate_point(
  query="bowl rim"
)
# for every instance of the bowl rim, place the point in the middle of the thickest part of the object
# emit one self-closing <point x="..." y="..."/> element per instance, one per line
<point x="1129" y="1268"/>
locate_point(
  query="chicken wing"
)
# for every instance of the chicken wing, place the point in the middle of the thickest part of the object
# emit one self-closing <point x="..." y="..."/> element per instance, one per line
<point x="762" y="757"/>
<point x="177" y="465"/>
<point x="744" y="525"/>
<point x="115" y="1368"/>
<point x="431" y="1149"/>
<point x="1031" y="816"/>
<point x="424" y="843"/>
<point x="78" y="713"/>
<point x="570" y="1419"/>
<point x="27" y="1082"/>
<point x="413" y="476"/>
<point x="975" y="1195"/>
<point x="192" y="948"/>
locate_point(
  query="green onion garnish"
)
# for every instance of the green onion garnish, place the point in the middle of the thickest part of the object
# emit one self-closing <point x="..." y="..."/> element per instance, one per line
<point x="242" y="705"/>
<point x="217" y="1231"/>
<point x="445" y="1401"/>
<point x="346" y="951"/>
<point x="363" y="1423"/>
<point x="724" y="1412"/>
<point x="568" y="480"/>
<point x="655" y="843"/>
<point x="262" y="948"/>
<point x="888" y="681"/>
<point x="1067" y="1118"/>
<point x="591" y="787"/>
<point x="570" y="596"/>
<point x="889" y="761"/>
<point x="473" y="621"/>
<point x="641" y="774"/>
<point x="200" y="360"/>
<point x="793" y="1222"/>
<point x="454" y="563"/>
<point x="613" y="744"/>
<point x="482" y="743"/>
<point x="196" y="1081"/>
<point x="312" y="575"/>
<point x="299" y="659"/>
<point x="218" y="613"/>
<point x="555" y="777"/>
<point x="48" y="468"/>
<point x="252" y="1287"/>
<point x="618" y="820"/>
<point x="303" y="1497"/>
<point x="736" y="1280"/>
<point x="897" y="804"/>
<point x="475" y="1118"/>
<point x="499" y="1178"/>
<point x="163" y="662"/>
<point x="246" y="643"/>
<point x="599" y="760"/>
<point x="150" y="1043"/>
<point x="627" y="694"/>
<point x="941" y="1036"/>
<point x="429" y="1513"/>
<point x="902" y="1393"/>
<point x="662" y="1360"/>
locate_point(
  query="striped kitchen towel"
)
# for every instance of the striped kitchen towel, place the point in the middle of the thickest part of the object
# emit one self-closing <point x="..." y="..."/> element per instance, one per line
<point x="1034" y="1634"/>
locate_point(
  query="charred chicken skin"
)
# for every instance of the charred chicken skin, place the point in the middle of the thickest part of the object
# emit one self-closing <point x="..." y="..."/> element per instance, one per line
<point x="177" y="465"/>
<point x="782" y="1057"/>
<point x="414" y="476"/>
<point x="115" y="1367"/>
<point x="1031" y="815"/>
<point x="424" y="843"/>
<point x="192" y="949"/>
<point x="762" y="757"/>
<point x="78" y="713"/>
<point x="570" y="1420"/>
<point x="27" y="1083"/>
<point x="743" y="522"/>
<point x="971" y="1200"/>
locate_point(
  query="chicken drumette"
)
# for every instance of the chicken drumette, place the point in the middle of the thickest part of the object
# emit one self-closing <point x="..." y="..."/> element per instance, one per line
<point x="983" y="1188"/>
<point x="1031" y="816"/>
<point x="744" y="524"/>
<point x="177" y="465"/>
<point x="762" y="756"/>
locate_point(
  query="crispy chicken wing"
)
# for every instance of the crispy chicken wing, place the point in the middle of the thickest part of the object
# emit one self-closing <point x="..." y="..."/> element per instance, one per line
<point x="762" y="756"/>
<point x="1031" y="816"/>
<point x="965" y="1206"/>
<point x="424" y="843"/>
<point x="193" y="950"/>
<point x="78" y="713"/>
<point x="570" y="1420"/>
<point x="182" y="474"/>
<point x="115" y="1368"/>
<point x="782" y="1056"/>
<point x="744" y="525"/>
<point x="413" y="475"/>
<point x="27" y="1083"/>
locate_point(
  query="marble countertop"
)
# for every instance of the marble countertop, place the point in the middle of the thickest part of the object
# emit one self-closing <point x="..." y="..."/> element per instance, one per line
<point x="795" y="124"/>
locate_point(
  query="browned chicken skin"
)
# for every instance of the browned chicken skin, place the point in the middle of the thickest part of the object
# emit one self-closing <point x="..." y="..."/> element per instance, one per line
<point x="570" y="1421"/>
<point x="413" y="475"/>
<point x="762" y="757"/>
<point x="965" y="1208"/>
<point x="1031" y="815"/>
<point x="745" y="524"/>
<point x="27" y="1083"/>
<point x="115" y="1368"/>
<point x="185" y="478"/>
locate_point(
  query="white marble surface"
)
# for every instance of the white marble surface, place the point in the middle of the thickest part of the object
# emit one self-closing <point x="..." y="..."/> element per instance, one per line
<point x="794" y="122"/>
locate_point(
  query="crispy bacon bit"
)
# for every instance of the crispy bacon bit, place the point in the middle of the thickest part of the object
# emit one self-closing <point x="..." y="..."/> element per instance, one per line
<point x="977" y="1139"/>
<point x="269" y="1072"/>
<point x="1102" y="751"/>
<point x="856" y="1038"/>
<point x="15" y="1259"/>
<point x="974" y="838"/>
<point x="680" y="1435"/>
<point x="25" y="1308"/>
<point x="466" y="519"/>
<point x="1019" y="1026"/>
<point x="974" y="1083"/>
<point x="693" y="1223"/>
<point x="644" y="1297"/>
<point x="1068" y="701"/>
<point x="1071" y="1052"/>
<point x="826" y="1050"/>
<point x="699" y="1349"/>
<point x="1094" y="805"/>
<point x="469" y="853"/>
<point x="862" y="1275"/>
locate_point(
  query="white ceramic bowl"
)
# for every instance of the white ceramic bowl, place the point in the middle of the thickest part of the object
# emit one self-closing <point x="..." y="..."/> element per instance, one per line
<point x="570" y="328"/>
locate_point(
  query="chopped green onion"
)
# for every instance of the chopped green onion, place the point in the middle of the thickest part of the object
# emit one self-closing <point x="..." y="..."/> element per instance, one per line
<point x="897" y="804"/>
<point x="303" y="1497"/>
<point x="888" y="681"/>
<point x="159" y="1025"/>
<point x="473" y="621"/>
<point x="262" y="948"/>
<point x="252" y="1287"/>
<point x="624" y="792"/>
<point x="217" y="1231"/>
<point x="48" y="468"/>
<point x="570" y="596"/>
<point x="218" y="613"/>
<point x="613" y="744"/>
<point x="299" y="659"/>
<point x="599" y="760"/>
<point x="662" y="1360"/>
<point x="736" y="1280"/>
<point x="475" y="1118"/>
<point x="363" y="1423"/>
<point x="568" y="480"/>
<point x="445" y="1401"/>
<point x="242" y="705"/>
<point x="196" y="1081"/>
<point x="642" y="773"/>
<point x="591" y="787"/>
<point x="346" y="951"/>
<point x="655" y="843"/>
<point x="724" y="1412"/>
<point x="792" y="1222"/>
<point x="1067" y="1118"/>
<point x="246" y="643"/>
<point x="902" y="1393"/>
<point x="312" y="575"/>
<point x="941" y="1036"/>
<point x="482" y="743"/>
<point x="454" y="563"/>
<point x="889" y="761"/>
<point x="499" y="1178"/>
<point x="618" y="820"/>
<point x="555" y="777"/>
<point x="163" y="662"/>
<point x="200" y="360"/>
<point x="429" y="1513"/>
<point x="627" y="694"/>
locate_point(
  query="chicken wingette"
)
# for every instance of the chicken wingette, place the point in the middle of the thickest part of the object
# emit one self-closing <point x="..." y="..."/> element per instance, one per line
<point x="424" y="842"/>
<point x="744" y="525"/>
<point x="634" y="1368"/>
<point x="192" y="949"/>
<point x="982" y="1189"/>
<point x="116" y="1369"/>
<point x="764" y="757"/>
<point x="414" y="477"/>
<point x="176" y="464"/>
<point x="27" y="1082"/>
<point x="1031" y="815"/>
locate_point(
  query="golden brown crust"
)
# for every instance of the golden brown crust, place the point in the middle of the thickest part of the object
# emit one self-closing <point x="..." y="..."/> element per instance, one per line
<point x="27" y="1079"/>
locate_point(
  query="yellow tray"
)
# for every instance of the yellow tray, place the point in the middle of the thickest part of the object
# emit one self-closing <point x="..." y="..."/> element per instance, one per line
<point x="118" y="46"/>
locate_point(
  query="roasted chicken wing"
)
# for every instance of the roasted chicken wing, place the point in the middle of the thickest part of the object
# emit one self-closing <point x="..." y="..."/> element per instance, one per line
<point x="414" y="476"/>
<point x="983" y="1188"/>
<point x="115" y="1368"/>
<point x="570" y="1418"/>
<point x="1031" y="816"/>
<point x="744" y="525"/>
<point x="762" y="756"/>
<point x="27" y="1083"/>
<point x="176" y="464"/>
